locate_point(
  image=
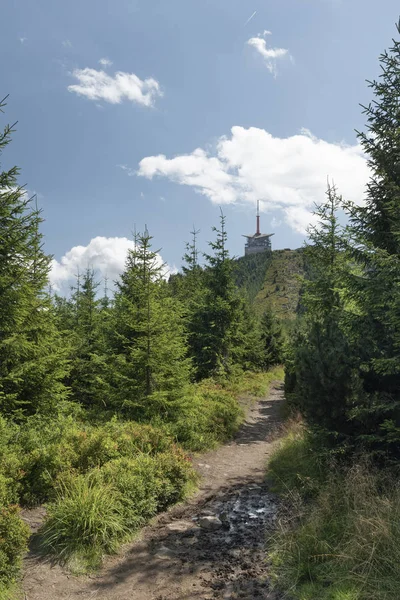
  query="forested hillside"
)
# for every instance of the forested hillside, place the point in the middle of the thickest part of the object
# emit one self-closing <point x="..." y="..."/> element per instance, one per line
<point x="273" y="280"/>
<point x="103" y="396"/>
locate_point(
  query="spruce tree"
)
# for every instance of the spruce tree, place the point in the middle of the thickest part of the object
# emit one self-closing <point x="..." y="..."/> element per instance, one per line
<point x="32" y="357"/>
<point x="321" y="374"/>
<point x="192" y="296"/>
<point x="218" y="318"/>
<point x="89" y="360"/>
<point x="150" y="361"/>
<point x="248" y="351"/>
<point x="271" y="339"/>
<point x="378" y="222"/>
<point x="375" y="236"/>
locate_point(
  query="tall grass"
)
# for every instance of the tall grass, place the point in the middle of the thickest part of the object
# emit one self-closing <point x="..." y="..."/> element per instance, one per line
<point x="85" y="521"/>
<point x="338" y="535"/>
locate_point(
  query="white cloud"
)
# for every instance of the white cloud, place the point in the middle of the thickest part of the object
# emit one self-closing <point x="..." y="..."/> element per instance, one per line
<point x="270" y="55"/>
<point x="288" y="174"/>
<point x="67" y="43"/>
<point x="22" y="40"/>
<point x="98" y="85"/>
<point x="105" y="255"/>
<point x="105" y="62"/>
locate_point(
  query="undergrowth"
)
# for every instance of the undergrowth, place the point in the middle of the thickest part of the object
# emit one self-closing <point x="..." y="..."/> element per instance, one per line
<point x="338" y="535"/>
<point x="102" y="481"/>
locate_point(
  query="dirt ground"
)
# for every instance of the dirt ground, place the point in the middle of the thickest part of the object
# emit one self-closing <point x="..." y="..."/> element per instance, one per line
<point x="176" y="558"/>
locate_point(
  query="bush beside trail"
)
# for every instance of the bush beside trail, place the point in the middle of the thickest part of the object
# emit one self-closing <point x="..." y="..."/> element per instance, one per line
<point x="14" y="534"/>
<point x="103" y="481"/>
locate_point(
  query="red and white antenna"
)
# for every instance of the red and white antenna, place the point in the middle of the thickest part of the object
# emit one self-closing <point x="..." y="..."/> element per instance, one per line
<point x="258" y="218"/>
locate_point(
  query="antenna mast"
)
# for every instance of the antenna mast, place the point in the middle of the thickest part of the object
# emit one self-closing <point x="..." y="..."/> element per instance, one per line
<point x="258" y="218"/>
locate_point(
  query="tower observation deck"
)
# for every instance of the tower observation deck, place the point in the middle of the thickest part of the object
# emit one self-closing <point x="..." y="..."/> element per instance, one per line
<point x="258" y="242"/>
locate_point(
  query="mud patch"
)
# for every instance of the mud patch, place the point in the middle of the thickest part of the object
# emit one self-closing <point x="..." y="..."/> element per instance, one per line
<point x="233" y="555"/>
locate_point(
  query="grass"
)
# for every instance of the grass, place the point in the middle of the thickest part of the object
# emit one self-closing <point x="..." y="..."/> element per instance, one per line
<point x="338" y="535"/>
<point x="295" y="467"/>
<point x="94" y="511"/>
<point x="85" y="521"/>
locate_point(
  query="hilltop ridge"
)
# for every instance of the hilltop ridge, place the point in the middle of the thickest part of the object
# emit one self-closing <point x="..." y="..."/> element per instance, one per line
<point x="273" y="279"/>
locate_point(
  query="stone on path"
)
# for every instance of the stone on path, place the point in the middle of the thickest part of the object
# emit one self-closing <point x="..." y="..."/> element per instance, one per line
<point x="181" y="526"/>
<point x="165" y="553"/>
<point x="210" y="522"/>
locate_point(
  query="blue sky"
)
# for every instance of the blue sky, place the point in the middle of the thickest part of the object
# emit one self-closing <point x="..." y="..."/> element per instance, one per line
<point x="195" y="105"/>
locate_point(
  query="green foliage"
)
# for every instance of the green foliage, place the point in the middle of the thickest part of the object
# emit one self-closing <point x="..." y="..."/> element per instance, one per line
<point x="10" y="466"/>
<point x="323" y="379"/>
<point x="135" y="480"/>
<point x="98" y="445"/>
<point x="88" y="378"/>
<point x="174" y="477"/>
<point x="210" y="413"/>
<point x="282" y="286"/>
<point x="49" y="449"/>
<point x="148" y="344"/>
<point x="85" y="521"/>
<point x="249" y="273"/>
<point x="255" y="384"/>
<point x="344" y="372"/>
<point x="93" y="513"/>
<point x="32" y="357"/>
<point x="218" y="315"/>
<point x="208" y="416"/>
<point x="344" y="543"/>
<point x="296" y="465"/>
<point x="14" y="535"/>
<point x="271" y="339"/>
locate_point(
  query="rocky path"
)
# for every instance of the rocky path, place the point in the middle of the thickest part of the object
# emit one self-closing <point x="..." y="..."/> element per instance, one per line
<point x="212" y="547"/>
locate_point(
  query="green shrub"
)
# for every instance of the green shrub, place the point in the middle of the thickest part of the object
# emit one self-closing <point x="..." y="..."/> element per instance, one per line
<point x="7" y="490"/>
<point x="14" y="534"/>
<point x="136" y="481"/>
<point x="93" y="513"/>
<point x="85" y="521"/>
<point x="96" y="446"/>
<point x="45" y="453"/>
<point x="10" y="464"/>
<point x="210" y="413"/>
<point x="208" y="416"/>
<point x="50" y="447"/>
<point x="148" y="484"/>
<point x="255" y="384"/>
<point x="175" y="477"/>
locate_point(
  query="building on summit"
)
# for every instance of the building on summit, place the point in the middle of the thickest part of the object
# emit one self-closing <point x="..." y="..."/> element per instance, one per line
<point x="258" y="242"/>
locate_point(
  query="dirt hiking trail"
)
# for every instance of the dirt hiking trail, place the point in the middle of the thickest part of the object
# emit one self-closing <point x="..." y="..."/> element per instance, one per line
<point x="210" y="547"/>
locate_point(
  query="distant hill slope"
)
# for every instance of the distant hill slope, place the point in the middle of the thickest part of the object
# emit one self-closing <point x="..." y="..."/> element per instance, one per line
<point x="272" y="280"/>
